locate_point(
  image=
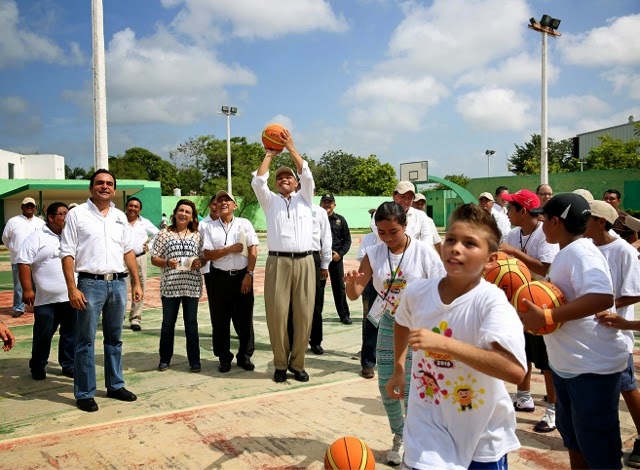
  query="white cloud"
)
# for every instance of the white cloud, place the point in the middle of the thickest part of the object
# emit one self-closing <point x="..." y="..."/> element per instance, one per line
<point x="574" y="107"/>
<point x="18" y="45"/>
<point x="618" y="43"/>
<point x="495" y="109"/>
<point x="625" y="82"/>
<point x="16" y="119"/>
<point x="519" y="69"/>
<point x="451" y="36"/>
<point x="250" y="19"/>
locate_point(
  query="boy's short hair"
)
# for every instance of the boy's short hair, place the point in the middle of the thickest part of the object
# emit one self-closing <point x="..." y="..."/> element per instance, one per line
<point x="477" y="216"/>
<point x="572" y="209"/>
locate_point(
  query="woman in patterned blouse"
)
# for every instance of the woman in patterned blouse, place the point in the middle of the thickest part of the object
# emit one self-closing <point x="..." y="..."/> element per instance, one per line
<point x="177" y="250"/>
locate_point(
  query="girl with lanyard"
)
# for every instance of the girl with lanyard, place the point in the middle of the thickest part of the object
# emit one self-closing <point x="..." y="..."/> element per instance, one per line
<point x="392" y="264"/>
<point x="177" y="250"/>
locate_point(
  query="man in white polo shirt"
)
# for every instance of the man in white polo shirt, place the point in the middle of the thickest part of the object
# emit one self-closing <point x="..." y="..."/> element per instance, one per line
<point x="211" y="218"/>
<point x="97" y="243"/>
<point x="231" y="245"/>
<point x="39" y="263"/>
<point x="18" y="228"/>
<point x="290" y="279"/>
<point x="143" y="233"/>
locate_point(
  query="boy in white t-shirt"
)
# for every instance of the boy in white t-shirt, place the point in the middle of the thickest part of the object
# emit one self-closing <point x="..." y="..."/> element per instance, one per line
<point x="467" y="340"/>
<point x="586" y="358"/>
<point x="625" y="273"/>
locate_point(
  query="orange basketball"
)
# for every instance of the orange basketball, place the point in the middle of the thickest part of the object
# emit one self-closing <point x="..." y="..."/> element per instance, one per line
<point x="271" y="137"/>
<point x="349" y="453"/>
<point x="508" y="274"/>
<point x="544" y="295"/>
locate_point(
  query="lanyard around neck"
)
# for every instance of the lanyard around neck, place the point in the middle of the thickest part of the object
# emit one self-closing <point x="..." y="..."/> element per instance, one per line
<point x="394" y="273"/>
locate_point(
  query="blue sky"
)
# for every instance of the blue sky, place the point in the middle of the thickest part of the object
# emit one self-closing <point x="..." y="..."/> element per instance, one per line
<point x="440" y="80"/>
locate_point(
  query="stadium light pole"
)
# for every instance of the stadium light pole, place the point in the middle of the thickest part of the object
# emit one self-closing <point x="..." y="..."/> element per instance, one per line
<point x="229" y="111"/>
<point x="547" y="26"/>
<point x="488" y="153"/>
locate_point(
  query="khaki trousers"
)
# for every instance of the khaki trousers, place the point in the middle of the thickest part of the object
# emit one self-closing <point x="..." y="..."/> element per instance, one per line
<point x="289" y="281"/>
<point x="135" y="315"/>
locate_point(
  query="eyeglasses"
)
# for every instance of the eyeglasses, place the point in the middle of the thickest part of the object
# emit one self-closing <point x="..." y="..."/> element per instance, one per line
<point x="545" y="194"/>
<point x="63" y="214"/>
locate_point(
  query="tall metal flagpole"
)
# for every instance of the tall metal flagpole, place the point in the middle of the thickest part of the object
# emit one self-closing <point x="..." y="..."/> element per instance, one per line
<point x="100" y="141"/>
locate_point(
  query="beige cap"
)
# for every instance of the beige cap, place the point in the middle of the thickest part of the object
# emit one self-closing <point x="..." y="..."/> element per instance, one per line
<point x="404" y="187"/>
<point x="486" y="195"/>
<point x="224" y="193"/>
<point x="28" y="200"/>
<point x="419" y="197"/>
<point x="584" y="193"/>
<point x="603" y="210"/>
<point x="285" y="169"/>
<point x="632" y="223"/>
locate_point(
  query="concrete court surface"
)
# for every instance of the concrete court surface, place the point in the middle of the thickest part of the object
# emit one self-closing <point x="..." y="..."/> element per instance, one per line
<point x="239" y="420"/>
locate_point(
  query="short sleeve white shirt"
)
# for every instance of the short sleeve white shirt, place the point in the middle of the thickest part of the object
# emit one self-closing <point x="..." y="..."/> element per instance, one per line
<point x="41" y="251"/>
<point x="504" y="224"/>
<point x="289" y="221"/>
<point x="96" y="242"/>
<point x="220" y="235"/>
<point x="202" y="228"/>
<point x="368" y="240"/>
<point x="625" y="274"/>
<point x="457" y="414"/>
<point x="142" y="231"/>
<point x="322" y="235"/>
<point x="584" y="346"/>
<point x="419" y="227"/>
<point x="17" y="230"/>
<point x="535" y="245"/>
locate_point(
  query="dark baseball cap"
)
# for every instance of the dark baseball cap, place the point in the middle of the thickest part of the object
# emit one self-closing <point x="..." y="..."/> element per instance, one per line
<point x="328" y="197"/>
<point x="572" y="208"/>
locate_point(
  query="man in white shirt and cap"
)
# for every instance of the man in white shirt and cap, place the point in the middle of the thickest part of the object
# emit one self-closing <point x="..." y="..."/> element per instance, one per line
<point x="485" y="200"/>
<point x="290" y="271"/>
<point x="16" y="231"/>
<point x="143" y="233"/>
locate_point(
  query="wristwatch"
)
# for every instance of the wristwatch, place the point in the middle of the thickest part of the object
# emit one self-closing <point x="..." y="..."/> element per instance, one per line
<point x="250" y="273"/>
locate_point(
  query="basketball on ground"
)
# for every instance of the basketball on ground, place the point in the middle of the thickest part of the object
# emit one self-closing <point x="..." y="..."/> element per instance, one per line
<point x="508" y="274"/>
<point x="544" y="295"/>
<point x="271" y="137"/>
<point x="349" y="453"/>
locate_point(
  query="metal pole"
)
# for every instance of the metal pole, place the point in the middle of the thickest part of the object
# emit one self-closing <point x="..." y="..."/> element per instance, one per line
<point x="544" y="167"/>
<point x="488" y="160"/>
<point x="100" y="141"/>
<point x="229" y="153"/>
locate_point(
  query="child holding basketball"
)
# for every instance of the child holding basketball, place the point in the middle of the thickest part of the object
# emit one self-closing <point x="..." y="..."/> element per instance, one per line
<point x="586" y="358"/>
<point x="467" y="341"/>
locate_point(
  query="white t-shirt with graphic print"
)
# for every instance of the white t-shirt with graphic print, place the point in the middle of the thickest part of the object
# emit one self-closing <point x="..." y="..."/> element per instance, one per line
<point x="457" y="414"/>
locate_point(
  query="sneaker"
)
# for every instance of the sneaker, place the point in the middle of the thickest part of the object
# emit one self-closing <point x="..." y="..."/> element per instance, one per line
<point x="548" y="423"/>
<point x="525" y="404"/>
<point x="394" y="456"/>
<point x="17" y="314"/>
<point x="634" y="457"/>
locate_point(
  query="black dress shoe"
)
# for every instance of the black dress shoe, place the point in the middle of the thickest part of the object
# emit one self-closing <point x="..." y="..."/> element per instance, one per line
<point x="224" y="367"/>
<point x="68" y="373"/>
<point x="280" y="376"/>
<point x="87" y="404"/>
<point x="301" y="376"/>
<point x="136" y="327"/>
<point x="122" y="394"/>
<point x="38" y="374"/>
<point x="346" y="321"/>
<point x="247" y="365"/>
<point x="317" y="350"/>
<point x="196" y="368"/>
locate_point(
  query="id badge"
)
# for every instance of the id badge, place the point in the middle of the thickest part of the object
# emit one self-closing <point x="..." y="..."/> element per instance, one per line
<point x="378" y="309"/>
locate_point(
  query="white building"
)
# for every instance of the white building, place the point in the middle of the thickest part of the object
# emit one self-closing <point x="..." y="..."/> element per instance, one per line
<point x="39" y="167"/>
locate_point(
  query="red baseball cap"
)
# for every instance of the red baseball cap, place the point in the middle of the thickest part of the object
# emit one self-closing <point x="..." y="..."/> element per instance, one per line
<point x="527" y="199"/>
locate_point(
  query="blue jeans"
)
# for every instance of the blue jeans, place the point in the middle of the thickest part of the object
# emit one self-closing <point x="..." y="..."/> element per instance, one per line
<point x="108" y="298"/>
<point x="170" y="308"/>
<point x="18" y="305"/>
<point x="47" y="318"/>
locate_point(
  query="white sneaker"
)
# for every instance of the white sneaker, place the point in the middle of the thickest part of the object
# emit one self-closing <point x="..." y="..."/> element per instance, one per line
<point x="524" y="404"/>
<point x="394" y="456"/>
<point x="547" y="423"/>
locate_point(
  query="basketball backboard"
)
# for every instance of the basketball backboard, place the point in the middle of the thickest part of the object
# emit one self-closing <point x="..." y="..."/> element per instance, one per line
<point x="416" y="172"/>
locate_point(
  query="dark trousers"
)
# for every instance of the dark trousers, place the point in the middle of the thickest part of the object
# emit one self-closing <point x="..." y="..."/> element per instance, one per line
<point x="231" y="305"/>
<point x="315" y="338"/>
<point x="336" y="274"/>
<point x="369" y="330"/>
<point x="47" y="318"/>
<point x="208" y="283"/>
<point x="170" y="309"/>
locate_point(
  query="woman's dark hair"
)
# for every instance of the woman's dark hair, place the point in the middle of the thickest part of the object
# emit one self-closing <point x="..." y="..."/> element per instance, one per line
<point x="193" y="225"/>
<point x="478" y="217"/>
<point x="390" y="211"/>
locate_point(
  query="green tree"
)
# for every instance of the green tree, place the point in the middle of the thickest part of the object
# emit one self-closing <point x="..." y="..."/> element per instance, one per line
<point x="372" y="178"/>
<point x="460" y="180"/>
<point x="526" y="159"/>
<point x="77" y="173"/>
<point x="335" y="173"/>
<point x="614" y="154"/>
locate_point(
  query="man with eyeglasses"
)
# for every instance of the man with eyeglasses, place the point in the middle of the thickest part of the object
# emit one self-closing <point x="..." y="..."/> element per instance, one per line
<point x="44" y="288"/>
<point x="18" y="228"/>
<point x="544" y="193"/>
